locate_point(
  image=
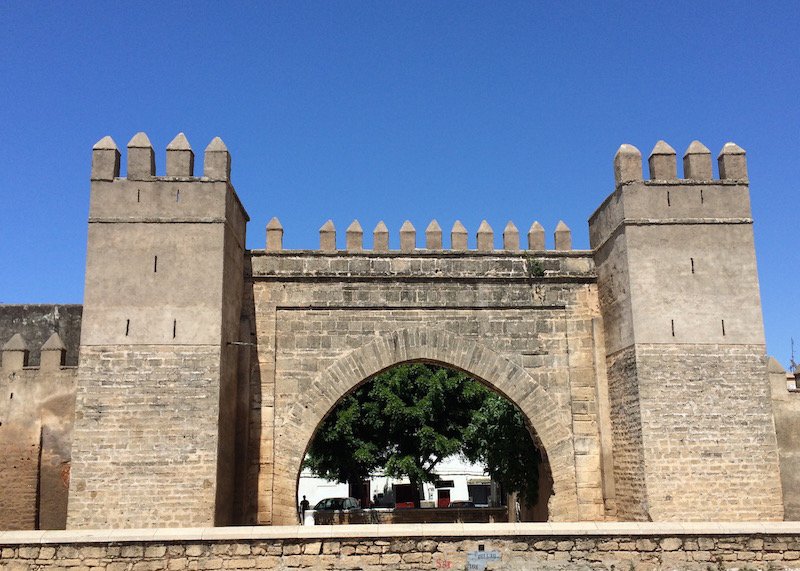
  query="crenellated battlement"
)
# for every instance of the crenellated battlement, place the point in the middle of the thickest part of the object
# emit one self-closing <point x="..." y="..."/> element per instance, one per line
<point x="698" y="198"/>
<point x="15" y="353"/>
<point x="484" y="238"/>
<point x="663" y="166"/>
<point x="141" y="160"/>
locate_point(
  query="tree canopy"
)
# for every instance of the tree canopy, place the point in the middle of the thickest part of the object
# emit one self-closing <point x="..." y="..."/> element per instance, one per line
<point x="409" y="418"/>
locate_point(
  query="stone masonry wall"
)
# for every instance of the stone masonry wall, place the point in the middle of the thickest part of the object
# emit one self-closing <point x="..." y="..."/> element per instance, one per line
<point x="159" y="425"/>
<point x="36" y="411"/>
<point x="520" y="547"/>
<point x="311" y="310"/>
<point x="708" y="433"/>
<point x="627" y="435"/>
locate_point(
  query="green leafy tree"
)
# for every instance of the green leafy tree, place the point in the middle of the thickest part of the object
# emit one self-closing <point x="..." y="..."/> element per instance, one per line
<point x="498" y="437"/>
<point x="409" y="418"/>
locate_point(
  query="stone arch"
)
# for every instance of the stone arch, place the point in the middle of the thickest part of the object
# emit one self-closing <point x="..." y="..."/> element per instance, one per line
<point x="549" y="421"/>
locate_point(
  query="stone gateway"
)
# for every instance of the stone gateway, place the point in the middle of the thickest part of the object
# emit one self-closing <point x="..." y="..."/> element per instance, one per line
<point x="204" y="369"/>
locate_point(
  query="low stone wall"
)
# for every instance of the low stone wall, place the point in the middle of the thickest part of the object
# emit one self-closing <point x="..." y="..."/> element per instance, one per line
<point x="573" y="546"/>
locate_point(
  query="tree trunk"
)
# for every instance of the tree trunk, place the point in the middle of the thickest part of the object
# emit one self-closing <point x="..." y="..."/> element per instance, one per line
<point x="511" y="502"/>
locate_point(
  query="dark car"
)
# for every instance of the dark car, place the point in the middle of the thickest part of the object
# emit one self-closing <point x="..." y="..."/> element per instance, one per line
<point x="337" y="504"/>
<point x="461" y="504"/>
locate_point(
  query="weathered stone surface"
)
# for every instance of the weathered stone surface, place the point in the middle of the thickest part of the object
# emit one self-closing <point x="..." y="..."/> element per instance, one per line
<point x="732" y="162"/>
<point x="274" y="235"/>
<point x="458" y="237"/>
<point x="380" y="237"/>
<point x="408" y="237"/>
<point x="627" y="164"/>
<point x="180" y="157"/>
<point x="485" y="237"/>
<point x="536" y="237"/>
<point x="662" y="162"/>
<point x="141" y="158"/>
<point x="354" y="236"/>
<point x="510" y="237"/>
<point x="697" y="162"/>
<point x="433" y="236"/>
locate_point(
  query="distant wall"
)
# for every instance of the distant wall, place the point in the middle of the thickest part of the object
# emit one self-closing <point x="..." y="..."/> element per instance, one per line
<point x="36" y="322"/>
<point x="37" y="407"/>
<point x="786" y="409"/>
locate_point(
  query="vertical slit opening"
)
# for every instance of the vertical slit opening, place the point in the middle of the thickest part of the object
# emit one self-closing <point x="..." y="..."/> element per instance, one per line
<point x="138" y="195"/>
<point x="701" y="196"/>
<point x="174" y="327"/>
<point x="178" y="195"/>
<point x="155" y="264"/>
<point x="668" y="201"/>
<point x="127" y="327"/>
<point x="692" y="260"/>
<point x="723" y="328"/>
<point x="672" y="326"/>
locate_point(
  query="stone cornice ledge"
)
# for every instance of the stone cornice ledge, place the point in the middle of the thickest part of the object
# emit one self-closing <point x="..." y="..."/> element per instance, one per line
<point x="301" y="533"/>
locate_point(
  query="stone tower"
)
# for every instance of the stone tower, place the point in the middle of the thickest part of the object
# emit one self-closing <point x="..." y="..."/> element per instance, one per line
<point x="155" y="406"/>
<point x="690" y="404"/>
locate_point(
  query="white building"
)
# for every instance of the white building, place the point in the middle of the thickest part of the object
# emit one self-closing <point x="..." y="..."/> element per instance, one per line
<point x="459" y="480"/>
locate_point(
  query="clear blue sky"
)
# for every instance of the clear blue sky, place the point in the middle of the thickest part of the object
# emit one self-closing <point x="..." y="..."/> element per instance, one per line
<point x="393" y="111"/>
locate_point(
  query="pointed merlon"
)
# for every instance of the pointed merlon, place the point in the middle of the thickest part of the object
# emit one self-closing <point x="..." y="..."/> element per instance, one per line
<point x="732" y="162"/>
<point x="141" y="158"/>
<point x="408" y="237"/>
<point x="15" y="353"/>
<point x="662" y="162"/>
<point x="510" y="237"/>
<point x="106" y="144"/>
<point x="380" y="237"/>
<point x="458" y="237"/>
<point x="140" y="141"/>
<point x="274" y="235"/>
<point x="16" y="343"/>
<point x="563" y="236"/>
<point x="327" y="237"/>
<point x="627" y="164"/>
<point x="536" y="237"/>
<point x="54" y="343"/>
<point x="433" y="236"/>
<point x="180" y="157"/>
<point x="217" y="145"/>
<point x="105" y="159"/>
<point x="485" y="236"/>
<point x="697" y="162"/>
<point x="53" y="353"/>
<point x="354" y="237"/>
<point x="217" y="161"/>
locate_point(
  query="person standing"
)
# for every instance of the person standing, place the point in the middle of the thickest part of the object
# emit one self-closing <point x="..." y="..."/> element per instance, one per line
<point x="303" y="507"/>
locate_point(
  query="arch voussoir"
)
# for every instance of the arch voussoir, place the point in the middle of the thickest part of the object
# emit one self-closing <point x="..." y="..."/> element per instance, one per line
<point x="436" y="345"/>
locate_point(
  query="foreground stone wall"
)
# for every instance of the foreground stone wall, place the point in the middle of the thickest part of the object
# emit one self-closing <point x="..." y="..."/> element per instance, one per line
<point x="626" y="547"/>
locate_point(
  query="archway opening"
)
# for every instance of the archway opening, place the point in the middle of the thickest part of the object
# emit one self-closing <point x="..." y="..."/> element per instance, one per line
<point x="424" y="442"/>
